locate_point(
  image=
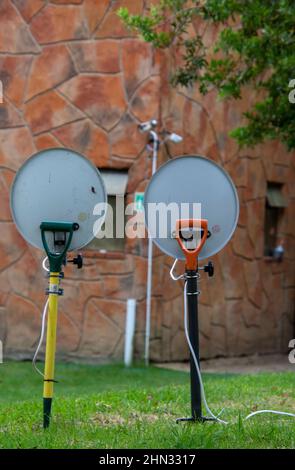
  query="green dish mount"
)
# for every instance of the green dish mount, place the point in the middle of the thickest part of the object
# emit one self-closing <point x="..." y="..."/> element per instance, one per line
<point x="62" y="237"/>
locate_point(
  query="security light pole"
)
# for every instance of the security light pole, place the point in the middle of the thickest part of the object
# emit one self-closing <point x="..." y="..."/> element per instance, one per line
<point x="154" y="140"/>
<point x="154" y="145"/>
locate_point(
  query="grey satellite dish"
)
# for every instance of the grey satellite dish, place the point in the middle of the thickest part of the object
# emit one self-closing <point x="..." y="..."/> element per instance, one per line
<point x="193" y="179"/>
<point x="57" y="185"/>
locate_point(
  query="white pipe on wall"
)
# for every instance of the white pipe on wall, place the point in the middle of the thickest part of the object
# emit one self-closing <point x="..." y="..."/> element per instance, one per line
<point x="129" y="331"/>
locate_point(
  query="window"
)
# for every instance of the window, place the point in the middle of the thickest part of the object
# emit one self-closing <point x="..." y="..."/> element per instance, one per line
<point x="115" y="183"/>
<point x="275" y="204"/>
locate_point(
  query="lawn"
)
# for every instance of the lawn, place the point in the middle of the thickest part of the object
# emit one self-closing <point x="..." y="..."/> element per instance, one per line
<point x="113" y="407"/>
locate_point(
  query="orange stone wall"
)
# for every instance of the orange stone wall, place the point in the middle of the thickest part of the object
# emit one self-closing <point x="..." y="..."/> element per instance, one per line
<point x="74" y="77"/>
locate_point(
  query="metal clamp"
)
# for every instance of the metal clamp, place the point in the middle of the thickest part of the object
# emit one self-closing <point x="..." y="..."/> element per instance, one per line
<point x="198" y="292"/>
<point x="54" y="276"/>
<point x="55" y="291"/>
<point x="195" y="276"/>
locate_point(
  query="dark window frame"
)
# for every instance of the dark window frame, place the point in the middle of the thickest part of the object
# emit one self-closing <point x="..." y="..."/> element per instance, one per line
<point x="274" y="210"/>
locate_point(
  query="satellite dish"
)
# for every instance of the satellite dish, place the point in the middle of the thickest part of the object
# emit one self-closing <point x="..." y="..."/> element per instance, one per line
<point x="193" y="179"/>
<point x="57" y="185"/>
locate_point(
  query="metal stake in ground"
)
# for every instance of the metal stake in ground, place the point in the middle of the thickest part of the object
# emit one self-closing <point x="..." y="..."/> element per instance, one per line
<point x="53" y="198"/>
<point x="191" y="235"/>
<point x="62" y="236"/>
<point x="192" y="303"/>
<point x="180" y="184"/>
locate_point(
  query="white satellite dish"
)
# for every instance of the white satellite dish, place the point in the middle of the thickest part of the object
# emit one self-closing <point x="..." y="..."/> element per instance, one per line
<point x="57" y="185"/>
<point x="194" y="179"/>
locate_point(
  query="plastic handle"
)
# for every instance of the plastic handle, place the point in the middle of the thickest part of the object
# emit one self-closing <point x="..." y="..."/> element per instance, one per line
<point x="191" y="255"/>
<point x="56" y="259"/>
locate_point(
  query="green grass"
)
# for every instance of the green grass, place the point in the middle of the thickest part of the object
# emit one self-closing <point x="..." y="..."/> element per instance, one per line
<point x="114" y="407"/>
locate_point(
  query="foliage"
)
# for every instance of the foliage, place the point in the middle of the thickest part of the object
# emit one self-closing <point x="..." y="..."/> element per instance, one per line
<point x="255" y="48"/>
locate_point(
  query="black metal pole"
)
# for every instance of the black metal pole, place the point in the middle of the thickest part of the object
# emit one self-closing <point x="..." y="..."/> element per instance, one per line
<point x="192" y="295"/>
<point x="193" y="326"/>
<point x="46" y="412"/>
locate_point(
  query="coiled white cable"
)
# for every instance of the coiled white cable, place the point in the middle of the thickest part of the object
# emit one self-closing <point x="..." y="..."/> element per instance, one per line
<point x="216" y="418"/>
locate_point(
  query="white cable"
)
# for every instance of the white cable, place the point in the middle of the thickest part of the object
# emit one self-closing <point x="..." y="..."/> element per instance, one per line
<point x="44" y="265"/>
<point x="41" y="338"/>
<point x="175" y="278"/>
<point x="181" y="276"/>
<point x="196" y="362"/>
<point x="42" y="325"/>
<point x="270" y="411"/>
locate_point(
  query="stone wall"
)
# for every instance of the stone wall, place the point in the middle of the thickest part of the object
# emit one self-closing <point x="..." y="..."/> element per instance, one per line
<point x="74" y="77"/>
<point x="248" y="306"/>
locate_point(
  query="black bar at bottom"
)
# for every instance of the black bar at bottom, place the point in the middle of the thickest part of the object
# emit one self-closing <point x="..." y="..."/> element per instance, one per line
<point x="195" y="457"/>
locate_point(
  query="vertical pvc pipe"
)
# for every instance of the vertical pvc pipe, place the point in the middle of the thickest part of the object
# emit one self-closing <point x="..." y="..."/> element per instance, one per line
<point x="129" y="331"/>
<point x="150" y="266"/>
<point x="50" y="347"/>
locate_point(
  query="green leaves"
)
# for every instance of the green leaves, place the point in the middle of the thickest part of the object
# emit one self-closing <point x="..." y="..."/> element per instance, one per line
<point x="256" y="47"/>
<point x="145" y="26"/>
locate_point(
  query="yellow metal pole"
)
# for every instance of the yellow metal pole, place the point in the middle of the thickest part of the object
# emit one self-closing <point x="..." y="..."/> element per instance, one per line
<point x="50" y="347"/>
